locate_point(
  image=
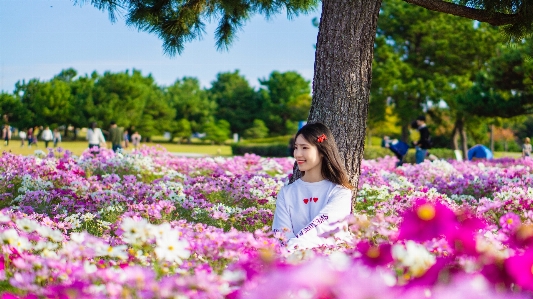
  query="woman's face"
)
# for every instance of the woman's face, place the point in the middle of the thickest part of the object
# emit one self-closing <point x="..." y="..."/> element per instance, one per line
<point x="307" y="155"/>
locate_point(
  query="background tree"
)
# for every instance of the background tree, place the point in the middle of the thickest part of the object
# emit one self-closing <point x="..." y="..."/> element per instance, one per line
<point x="217" y="132"/>
<point x="191" y="104"/>
<point x="237" y="102"/>
<point x="437" y="56"/>
<point x="505" y="87"/>
<point x="11" y="110"/>
<point x="258" y="130"/>
<point x="120" y="97"/>
<point x="286" y="100"/>
<point x="81" y="101"/>
<point x="157" y="115"/>
<point x="47" y="103"/>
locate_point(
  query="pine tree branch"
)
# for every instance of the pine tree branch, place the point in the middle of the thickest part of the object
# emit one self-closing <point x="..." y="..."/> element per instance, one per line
<point x="493" y="18"/>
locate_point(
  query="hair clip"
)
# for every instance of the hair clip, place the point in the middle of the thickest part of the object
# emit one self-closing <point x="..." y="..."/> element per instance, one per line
<point x="321" y="138"/>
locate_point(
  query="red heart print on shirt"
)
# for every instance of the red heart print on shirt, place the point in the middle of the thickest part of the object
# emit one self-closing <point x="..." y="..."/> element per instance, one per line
<point x="306" y="200"/>
<point x="315" y="199"/>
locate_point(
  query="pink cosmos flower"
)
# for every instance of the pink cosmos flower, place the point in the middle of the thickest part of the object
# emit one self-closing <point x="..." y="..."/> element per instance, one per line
<point x="427" y="220"/>
<point x="464" y="239"/>
<point x="520" y="269"/>
<point x="375" y="255"/>
<point x="510" y="222"/>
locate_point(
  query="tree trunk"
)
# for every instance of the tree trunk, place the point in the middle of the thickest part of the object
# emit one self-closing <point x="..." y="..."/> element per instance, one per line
<point x="464" y="140"/>
<point x="75" y="134"/>
<point x="455" y="136"/>
<point x="343" y="75"/>
<point x="405" y="133"/>
<point x="492" y="138"/>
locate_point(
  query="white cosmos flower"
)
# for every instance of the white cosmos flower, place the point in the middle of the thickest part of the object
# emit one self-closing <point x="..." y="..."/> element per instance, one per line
<point x="55" y="235"/>
<point x="77" y="237"/>
<point x="4" y="218"/>
<point x="160" y="231"/>
<point x="172" y="249"/>
<point x="415" y="256"/>
<point x="9" y="236"/>
<point x="117" y="251"/>
<point x="134" y="231"/>
<point x="27" y="225"/>
<point x="89" y="268"/>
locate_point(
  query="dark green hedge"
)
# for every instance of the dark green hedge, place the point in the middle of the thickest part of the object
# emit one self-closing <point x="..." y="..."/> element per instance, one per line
<point x="270" y="140"/>
<point x="371" y="152"/>
<point x="266" y="150"/>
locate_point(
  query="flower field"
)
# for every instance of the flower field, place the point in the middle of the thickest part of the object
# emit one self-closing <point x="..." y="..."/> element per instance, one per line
<point x="154" y="225"/>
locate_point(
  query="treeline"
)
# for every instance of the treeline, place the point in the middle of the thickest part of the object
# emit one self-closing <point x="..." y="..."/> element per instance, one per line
<point x="133" y="100"/>
<point x="469" y="81"/>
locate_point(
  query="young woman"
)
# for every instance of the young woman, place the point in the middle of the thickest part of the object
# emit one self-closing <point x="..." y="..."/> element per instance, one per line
<point x="320" y="200"/>
<point x="526" y="148"/>
<point x="95" y="136"/>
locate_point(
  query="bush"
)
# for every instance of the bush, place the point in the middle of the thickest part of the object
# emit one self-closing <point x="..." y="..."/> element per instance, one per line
<point x="217" y="132"/>
<point x="278" y="139"/>
<point x="440" y="153"/>
<point x="371" y="152"/>
<point x="265" y="150"/>
<point x="374" y="152"/>
<point x="258" y="130"/>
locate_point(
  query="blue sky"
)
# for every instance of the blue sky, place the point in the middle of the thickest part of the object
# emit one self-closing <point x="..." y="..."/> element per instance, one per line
<point x="39" y="38"/>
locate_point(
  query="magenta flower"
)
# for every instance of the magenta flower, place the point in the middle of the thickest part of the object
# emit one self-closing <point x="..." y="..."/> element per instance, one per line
<point x="510" y="222"/>
<point x="375" y="255"/>
<point x="520" y="268"/>
<point x="426" y="221"/>
<point x="464" y="239"/>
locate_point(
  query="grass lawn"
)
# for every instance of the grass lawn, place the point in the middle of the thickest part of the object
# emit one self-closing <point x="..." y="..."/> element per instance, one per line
<point x="77" y="147"/>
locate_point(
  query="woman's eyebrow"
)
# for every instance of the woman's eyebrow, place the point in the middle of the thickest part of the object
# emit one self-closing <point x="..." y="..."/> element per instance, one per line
<point x="301" y="144"/>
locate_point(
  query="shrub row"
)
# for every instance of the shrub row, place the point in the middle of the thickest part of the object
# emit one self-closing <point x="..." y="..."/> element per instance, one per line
<point x="371" y="152"/>
<point x="265" y="150"/>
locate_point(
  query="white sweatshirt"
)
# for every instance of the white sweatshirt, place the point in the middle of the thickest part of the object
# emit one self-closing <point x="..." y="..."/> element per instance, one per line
<point x="309" y="210"/>
<point x="96" y="136"/>
<point x="46" y="135"/>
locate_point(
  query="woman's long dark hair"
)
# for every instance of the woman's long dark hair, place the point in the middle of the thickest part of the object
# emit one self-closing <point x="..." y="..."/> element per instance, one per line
<point x="332" y="166"/>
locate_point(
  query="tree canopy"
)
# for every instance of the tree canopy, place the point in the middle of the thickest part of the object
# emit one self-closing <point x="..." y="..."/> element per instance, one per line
<point x="178" y="22"/>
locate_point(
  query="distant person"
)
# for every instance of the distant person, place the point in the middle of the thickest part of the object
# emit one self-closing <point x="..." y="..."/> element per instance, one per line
<point x="6" y="134"/>
<point x="479" y="152"/>
<point x="115" y="136"/>
<point x="424" y="143"/>
<point x="22" y="136"/>
<point x="47" y="136"/>
<point x="95" y="136"/>
<point x="30" y="136"/>
<point x="57" y="137"/>
<point x="526" y="148"/>
<point x="35" y="133"/>
<point x="136" y="139"/>
<point x="126" y="137"/>
<point x="398" y="148"/>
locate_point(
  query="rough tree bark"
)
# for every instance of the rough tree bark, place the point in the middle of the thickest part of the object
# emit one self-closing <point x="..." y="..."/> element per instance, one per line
<point x="343" y="75"/>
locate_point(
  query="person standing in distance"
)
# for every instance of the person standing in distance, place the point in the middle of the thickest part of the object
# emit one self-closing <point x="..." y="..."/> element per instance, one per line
<point x="95" y="136"/>
<point x="115" y="136"/>
<point x="424" y="143"/>
<point x="47" y="136"/>
<point x="318" y="202"/>
<point x="526" y="148"/>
